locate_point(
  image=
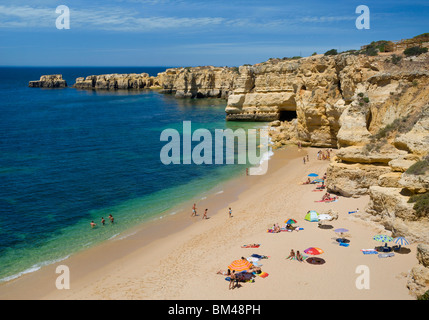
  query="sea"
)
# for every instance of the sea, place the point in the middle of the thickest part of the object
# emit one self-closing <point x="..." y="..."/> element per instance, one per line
<point x="70" y="156"/>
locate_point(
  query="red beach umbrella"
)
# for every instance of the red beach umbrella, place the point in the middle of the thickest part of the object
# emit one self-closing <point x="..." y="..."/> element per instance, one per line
<point x="313" y="251"/>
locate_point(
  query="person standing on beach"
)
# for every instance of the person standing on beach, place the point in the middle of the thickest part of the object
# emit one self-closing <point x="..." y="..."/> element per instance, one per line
<point x="230" y="212"/>
<point x="194" y="210"/>
<point x="205" y="214"/>
<point x="232" y="280"/>
<point x="303" y="159"/>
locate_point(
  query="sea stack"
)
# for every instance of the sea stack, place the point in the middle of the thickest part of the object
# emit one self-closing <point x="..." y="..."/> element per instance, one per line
<point x="49" y="81"/>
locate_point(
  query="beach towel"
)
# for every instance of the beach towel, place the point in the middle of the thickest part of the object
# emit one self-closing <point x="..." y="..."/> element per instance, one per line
<point x="369" y="251"/>
<point x="259" y="256"/>
<point x="386" y="255"/>
<point x="262" y="274"/>
<point x="344" y="244"/>
<point x="250" y="246"/>
<point x="327" y="200"/>
<point x="352" y="212"/>
<point x="303" y="258"/>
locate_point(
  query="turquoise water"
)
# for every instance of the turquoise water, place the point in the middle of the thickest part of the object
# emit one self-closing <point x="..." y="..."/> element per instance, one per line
<point x="72" y="156"/>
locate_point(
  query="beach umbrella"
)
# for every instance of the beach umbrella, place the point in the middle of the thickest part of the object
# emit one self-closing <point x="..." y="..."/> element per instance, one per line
<point x="313" y="251"/>
<point x="291" y="221"/>
<point x="240" y="265"/>
<point x="313" y="175"/>
<point x="382" y="238"/>
<point x="342" y="231"/>
<point x="401" y="241"/>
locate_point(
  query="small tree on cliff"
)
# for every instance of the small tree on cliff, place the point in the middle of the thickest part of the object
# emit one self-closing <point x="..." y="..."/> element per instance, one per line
<point x="331" y="52"/>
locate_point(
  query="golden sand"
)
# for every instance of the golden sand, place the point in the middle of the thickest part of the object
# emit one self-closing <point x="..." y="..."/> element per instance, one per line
<point x="178" y="257"/>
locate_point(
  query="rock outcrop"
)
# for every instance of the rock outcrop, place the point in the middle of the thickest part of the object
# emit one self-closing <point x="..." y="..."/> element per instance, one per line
<point x="49" y="81"/>
<point x="115" y="81"/>
<point x="198" y="82"/>
<point x="338" y="101"/>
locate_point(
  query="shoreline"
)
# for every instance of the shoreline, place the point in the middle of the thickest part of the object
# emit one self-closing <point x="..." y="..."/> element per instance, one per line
<point x="181" y="261"/>
<point x="145" y="233"/>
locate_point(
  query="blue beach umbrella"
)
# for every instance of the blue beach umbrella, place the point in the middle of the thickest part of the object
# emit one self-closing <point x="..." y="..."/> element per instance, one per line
<point x="313" y="175"/>
<point x="401" y="241"/>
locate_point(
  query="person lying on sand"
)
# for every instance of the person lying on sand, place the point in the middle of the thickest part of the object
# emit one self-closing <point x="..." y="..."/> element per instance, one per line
<point x="307" y="182"/>
<point x="224" y="273"/>
<point x="290" y="227"/>
<point x="326" y="196"/>
<point x="254" y="245"/>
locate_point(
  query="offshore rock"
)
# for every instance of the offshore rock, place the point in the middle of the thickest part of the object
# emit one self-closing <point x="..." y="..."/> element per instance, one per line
<point x="49" y="81"/>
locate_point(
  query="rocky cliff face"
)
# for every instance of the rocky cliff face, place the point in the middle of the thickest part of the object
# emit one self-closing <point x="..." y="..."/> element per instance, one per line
<point x="337" y="100"/>
<point x="375" y="110"/>
<point x="198" y="82"/>
<point x="115" y="81"/>
<point x="49" y="81"/>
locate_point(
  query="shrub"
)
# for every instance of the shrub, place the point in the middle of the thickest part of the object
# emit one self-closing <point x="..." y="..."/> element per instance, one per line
<point x="419" y="168"/>
<point x="371" y="52"/>
<point x="366" y="99"/>
<point x="421" y="204"/>
<point x="314" y="54"/>
<point x="396" y="59"/>
<point x="331" y="52"/>
<point x="415" y="51"/>
<point x="424" y="296"/>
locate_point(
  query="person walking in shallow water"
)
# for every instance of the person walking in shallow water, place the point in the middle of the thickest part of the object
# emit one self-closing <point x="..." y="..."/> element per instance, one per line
<point x="102" y="221"/>
<point x="111" y="218"/>
<point x="93" y="224"/>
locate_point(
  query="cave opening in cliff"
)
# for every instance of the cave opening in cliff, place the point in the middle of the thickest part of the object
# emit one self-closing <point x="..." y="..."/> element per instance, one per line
<point x="286" y="115"/>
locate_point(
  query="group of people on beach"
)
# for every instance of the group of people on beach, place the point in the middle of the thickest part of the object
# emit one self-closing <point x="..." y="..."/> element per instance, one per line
<point x="194" y="212"/>
<point x="234" y="278"/>
<point x="103" y="222"/>
<point x="324" y="154"/>
<point x="298" y="256"/>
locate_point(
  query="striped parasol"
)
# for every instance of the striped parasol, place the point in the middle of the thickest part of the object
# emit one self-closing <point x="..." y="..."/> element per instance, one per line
<point x="240" y="265"/>
<point x="313" y="251"/>
<point x="291" y="221"/>
<point x="401" y="241"/>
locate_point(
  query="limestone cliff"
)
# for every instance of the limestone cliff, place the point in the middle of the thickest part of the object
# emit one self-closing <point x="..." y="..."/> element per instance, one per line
<point x="115" y="81"/>
<point x="337" y="100"/>
<point x="198" y="82"/>
<point x="49" y="81"/>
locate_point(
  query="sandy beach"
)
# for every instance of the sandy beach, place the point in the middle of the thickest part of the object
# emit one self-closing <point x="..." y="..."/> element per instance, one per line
<point x="178" y="257"/>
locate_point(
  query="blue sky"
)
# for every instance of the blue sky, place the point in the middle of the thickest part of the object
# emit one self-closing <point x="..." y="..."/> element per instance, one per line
<point x="193" y="32"/>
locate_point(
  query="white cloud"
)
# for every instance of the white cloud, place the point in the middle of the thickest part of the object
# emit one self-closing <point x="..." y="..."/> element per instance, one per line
<point x="113" y="19"/>
<point x="125" y="20"/>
